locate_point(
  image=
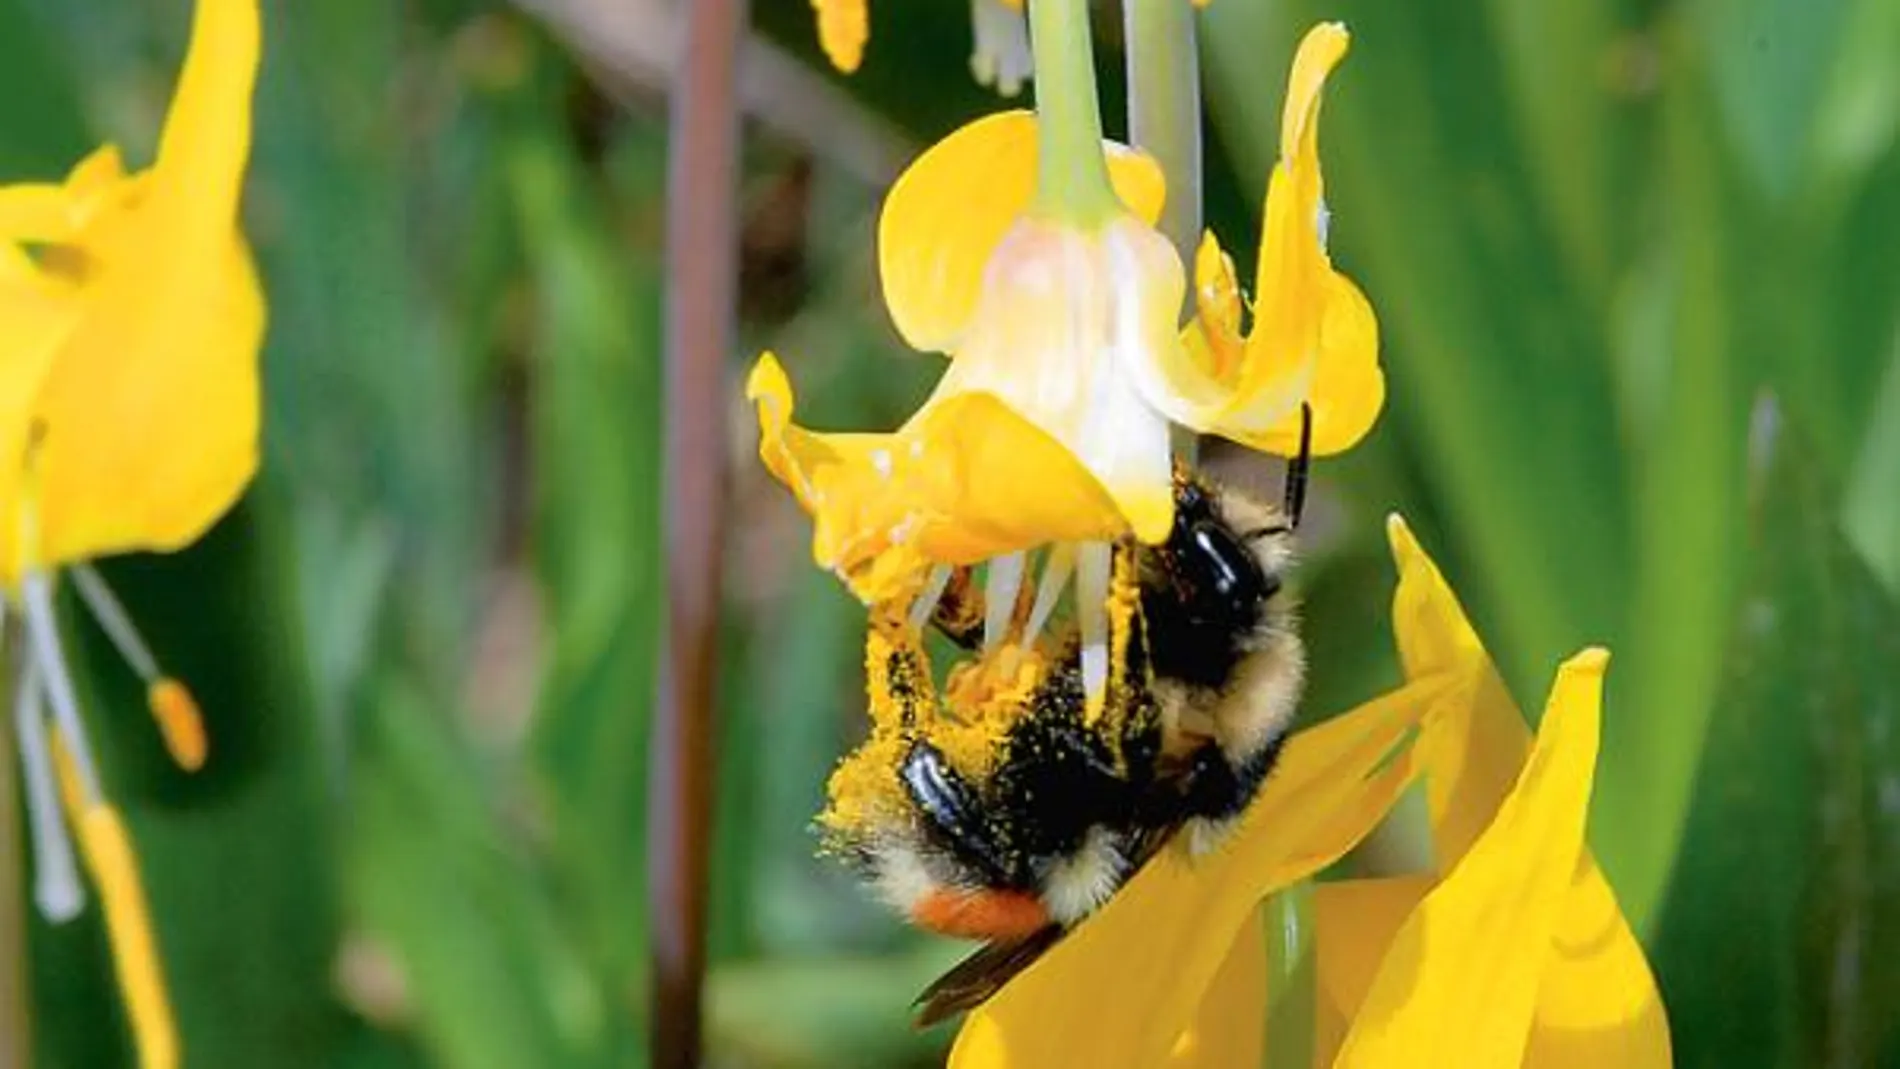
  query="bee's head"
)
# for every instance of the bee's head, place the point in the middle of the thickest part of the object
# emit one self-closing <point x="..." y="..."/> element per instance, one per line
<point x="1225" y="554"/>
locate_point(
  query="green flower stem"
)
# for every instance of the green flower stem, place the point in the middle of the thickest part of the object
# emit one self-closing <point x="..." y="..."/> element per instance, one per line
<point x="1164" y="110"/>
<point x="1292" y="977"/>
<point x="16" y="1043"/>
<point x="1072" y="176"/>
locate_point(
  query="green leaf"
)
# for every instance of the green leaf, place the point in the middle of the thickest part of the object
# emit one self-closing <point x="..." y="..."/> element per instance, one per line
<point x="1780" y="945"/>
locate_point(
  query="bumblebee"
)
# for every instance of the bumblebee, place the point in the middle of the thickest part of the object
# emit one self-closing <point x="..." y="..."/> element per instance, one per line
<point x="1009" y="810"/>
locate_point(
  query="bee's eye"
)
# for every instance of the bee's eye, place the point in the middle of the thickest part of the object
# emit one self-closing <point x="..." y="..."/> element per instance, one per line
<point x="1230" y="575"/>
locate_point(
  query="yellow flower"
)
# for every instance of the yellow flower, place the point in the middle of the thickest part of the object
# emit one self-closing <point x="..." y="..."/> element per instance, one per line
<point x="999" y="57"/>
<point x="1517" y="955"/>
<point x="1520" y="931"/>
<point x="128" y="421"/>
<point x="1027" y="438"/>
<point x="1065" y="340"/>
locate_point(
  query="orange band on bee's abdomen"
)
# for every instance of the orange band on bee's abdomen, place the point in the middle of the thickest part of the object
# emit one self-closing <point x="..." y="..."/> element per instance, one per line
<point x="979" y="914"/>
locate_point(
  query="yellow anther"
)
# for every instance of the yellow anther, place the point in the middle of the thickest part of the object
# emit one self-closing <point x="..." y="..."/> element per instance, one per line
<point x="843" y="27"/>
<point x="115" y="871"/>
<point x="178" y="721"/>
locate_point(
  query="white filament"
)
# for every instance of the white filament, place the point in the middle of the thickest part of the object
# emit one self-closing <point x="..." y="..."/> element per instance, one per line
<point x="1000" y="56"/>
<point x="42" y="639"/>
<point x="1004" y="582"/>
<point x="1091" y="611"/>
<point x="56" y="887"/>
<point x="925" y="606"/>
<point x="114" y="620"/>
<point x="1055" y="578"/>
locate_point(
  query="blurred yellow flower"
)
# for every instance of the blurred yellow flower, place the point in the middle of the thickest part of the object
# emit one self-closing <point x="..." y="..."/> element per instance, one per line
<point x="999" y="57"/>
<point x="128" y="421"/>
<point x="1517" y="955"/>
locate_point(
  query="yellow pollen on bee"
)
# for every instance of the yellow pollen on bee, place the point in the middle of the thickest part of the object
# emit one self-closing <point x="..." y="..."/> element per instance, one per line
<point x="114" y="867"/>
<point x="179" y="722"/>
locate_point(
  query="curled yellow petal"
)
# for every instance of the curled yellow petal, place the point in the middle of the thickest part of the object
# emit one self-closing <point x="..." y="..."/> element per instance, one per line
<point x="179" y="722"/>
<point x="1315" y="338"/>
<point x="884" y="506"/>
<point x="149" y="413"/>
<point x="950" y="208"/>
<point x="1458" y="986"/>
<point x="843" y="27"/>
<point x="1123" y="988"/>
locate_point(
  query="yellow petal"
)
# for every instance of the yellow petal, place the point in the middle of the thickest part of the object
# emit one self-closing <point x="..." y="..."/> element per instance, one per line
<point x="1347" y="391"/>
<point x="948" y="211"/>
<point x="843" y="27"/>
<point x="1075" y="331"/>
<point x="885" y="505"/>
<point x="35" y="212"/>
<point x="150" y="411"/>
<point x="1214" y="338"/>
<point x="36" y="318"/>
<point x="1459" y="985"/>
<point x="1598" y="1003"/>
<point x="1315" y="338"/>
<point x="1356" y="920"/>
<point x="1226" y="1030"/>
<point x="1122" y="988"/>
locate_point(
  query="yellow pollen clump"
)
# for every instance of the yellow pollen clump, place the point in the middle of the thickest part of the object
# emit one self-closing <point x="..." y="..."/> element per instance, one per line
<point x="178" y="721"/>
<point x="986" y="698"/>
<point x="1124" y="604"/>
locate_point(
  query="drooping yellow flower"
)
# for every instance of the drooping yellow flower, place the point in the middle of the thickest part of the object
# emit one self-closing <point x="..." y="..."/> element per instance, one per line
<point x="1072" y="333"/>
<point x="1516" y="954"/>
<point x="999" y="56"/>
<point x="128" y="421"/>
<point x="1029" y="437"/>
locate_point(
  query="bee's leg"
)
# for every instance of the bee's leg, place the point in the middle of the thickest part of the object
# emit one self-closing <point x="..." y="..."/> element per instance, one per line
<point x="959" y="611"/>
<point x="896" y="678"/>
<point x="956" y="813"/>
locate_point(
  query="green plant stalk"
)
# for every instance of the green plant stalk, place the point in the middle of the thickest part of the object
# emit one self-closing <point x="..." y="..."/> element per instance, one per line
<point x="1071" y="174"/>
<point x="16" y="1017"/>
<point x="1164" y="111"/>
<point x="1292" y="977"/>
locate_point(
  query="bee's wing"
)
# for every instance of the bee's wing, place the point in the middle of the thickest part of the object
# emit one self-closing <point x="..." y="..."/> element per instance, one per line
<point x="974" y="979"/>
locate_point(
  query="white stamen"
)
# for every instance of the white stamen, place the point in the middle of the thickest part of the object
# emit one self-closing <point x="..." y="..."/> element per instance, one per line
<point x="926" y="604"/>
<point x="1055" y="578"/>
<point x="42" y="639"/>
<point x="999" y="593"/>
<point x="1000" y="56"/>
<point x="114" y="620"/>
<point x="1091" y="610"/>
<point x="56" y="887"/>
<point x="881" y="460"/>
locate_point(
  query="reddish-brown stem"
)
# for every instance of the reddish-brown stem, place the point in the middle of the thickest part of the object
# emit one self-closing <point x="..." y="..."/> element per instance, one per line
<point x="701" y="298"/>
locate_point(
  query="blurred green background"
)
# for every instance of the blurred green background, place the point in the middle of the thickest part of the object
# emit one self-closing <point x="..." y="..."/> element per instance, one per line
<point x="1635" y="263"/>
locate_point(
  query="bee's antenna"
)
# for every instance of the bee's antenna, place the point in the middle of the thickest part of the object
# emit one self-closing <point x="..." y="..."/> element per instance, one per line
<point x="1295" y="501"/>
